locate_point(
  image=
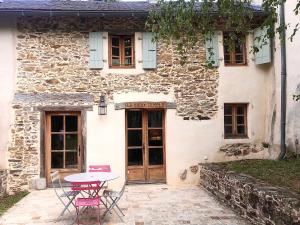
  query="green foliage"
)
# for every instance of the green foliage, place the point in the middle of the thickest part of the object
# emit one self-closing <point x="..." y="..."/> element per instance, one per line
<point x="8" y="201"/>
<point x="284" y="173"/>
<point x="185" y="22"/>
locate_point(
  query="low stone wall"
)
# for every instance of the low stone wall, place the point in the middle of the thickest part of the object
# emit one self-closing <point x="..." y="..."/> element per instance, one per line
<point x="252" y="199"/>
<point x="3" y="182"/>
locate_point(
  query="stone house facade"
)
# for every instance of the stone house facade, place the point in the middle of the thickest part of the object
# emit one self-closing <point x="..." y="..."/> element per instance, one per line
<point x="162" y="118"/>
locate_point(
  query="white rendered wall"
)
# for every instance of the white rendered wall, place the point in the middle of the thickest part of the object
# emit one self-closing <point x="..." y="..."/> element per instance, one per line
<point x="246" y="84"/>
<point x="7" y="82"/>
<point x="106" y="140"/>
<point x="293" y="82"/>
<point x="293" y="79"/>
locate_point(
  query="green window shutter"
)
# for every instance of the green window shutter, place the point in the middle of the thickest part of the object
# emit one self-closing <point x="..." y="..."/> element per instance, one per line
<point x="96" y="50"/>
<point x="263" y="43"/>
<point x="149" y="51"/>
<point x="212" y="50"/>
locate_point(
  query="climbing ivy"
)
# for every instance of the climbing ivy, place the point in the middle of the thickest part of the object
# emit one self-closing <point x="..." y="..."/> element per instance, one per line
<point x="184" y="22"/>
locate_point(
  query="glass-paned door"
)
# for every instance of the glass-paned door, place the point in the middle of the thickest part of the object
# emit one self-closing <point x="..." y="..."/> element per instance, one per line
<point x="145" y="158"/>
<point x="63" y="143"/>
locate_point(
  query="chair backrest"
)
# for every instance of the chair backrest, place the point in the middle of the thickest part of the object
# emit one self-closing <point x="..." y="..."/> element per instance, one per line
<point x="56" y="184"/>
<point x="99" y="168"/>
<point x="54" y="176"/>
<point x="85" y="186"/>
<point x="122" y="190"/>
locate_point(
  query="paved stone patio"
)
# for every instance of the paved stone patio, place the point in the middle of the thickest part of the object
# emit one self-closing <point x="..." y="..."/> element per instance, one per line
<point x="142" y="205"/>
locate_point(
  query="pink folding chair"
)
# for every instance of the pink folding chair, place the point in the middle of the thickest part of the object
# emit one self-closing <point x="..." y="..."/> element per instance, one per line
<point x="100" y="168"/>
<point x="92" y="188"/>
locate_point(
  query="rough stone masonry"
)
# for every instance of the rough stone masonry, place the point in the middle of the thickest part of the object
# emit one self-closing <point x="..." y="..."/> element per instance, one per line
<point x="3" y="182"/>
<point x="258" y="202"/>
<point x="52" y="58"/>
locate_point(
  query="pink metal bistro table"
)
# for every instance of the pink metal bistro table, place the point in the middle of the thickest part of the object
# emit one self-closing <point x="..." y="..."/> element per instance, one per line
<point x="103" y="177"/>
<point x="93" y="176"/>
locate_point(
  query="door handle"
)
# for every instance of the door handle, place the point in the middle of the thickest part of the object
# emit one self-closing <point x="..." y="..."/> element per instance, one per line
<point x="79" y="150"/>
<point x="143" y="148"/>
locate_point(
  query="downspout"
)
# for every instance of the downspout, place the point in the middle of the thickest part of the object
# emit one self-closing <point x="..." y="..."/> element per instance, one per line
<point x="283" y="85"/>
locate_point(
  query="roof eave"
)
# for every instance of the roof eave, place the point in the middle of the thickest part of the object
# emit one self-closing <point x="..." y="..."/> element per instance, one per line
<point x="88" y="13"/>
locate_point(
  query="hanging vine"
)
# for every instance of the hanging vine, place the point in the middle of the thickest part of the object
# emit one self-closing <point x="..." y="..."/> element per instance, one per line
<point x="185" y="22"/>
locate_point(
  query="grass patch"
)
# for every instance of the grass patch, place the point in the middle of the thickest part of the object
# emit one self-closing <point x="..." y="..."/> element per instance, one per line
<point x="284" y="173"/>
<point x="8" y="201"/>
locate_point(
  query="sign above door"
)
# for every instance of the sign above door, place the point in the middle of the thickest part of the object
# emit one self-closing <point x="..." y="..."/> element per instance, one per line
<point x="145" y="105"/>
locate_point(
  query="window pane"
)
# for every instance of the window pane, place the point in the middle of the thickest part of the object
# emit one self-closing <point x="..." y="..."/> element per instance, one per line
<point x="156" y="156"/>
<point x="57" y="123"/>
<point x="115" y="41"/>
<point x="115" y="61"/>
<point x="240" y="119"/>
<point x="127" y="51"/>
<point x="135" y="157"/>
<point x="128" y="61"/>
<point x="115" y="51"/>
<point x="71" y="159"/>
<point x="134" y="119"/>
<point x="240" y="110"/>
<point x="127" y="41"/>
<point x="239" y="59"/>
<point x="57" y="141"/>
<point x="241" y="129"/>
<point x="227" y="109"/>
<point x="57" y="160"/>
<point x="71" y="123"/>
<point x="228" y="129"/>
<point x="226" y="49"/>
<point x="227" y="58"/>
<point x="134" y="138"/>
<point x="238" y="47"/>
<point x="155" y="137"/>
<point x="228" y="120"/>
<point x="71" y="141"/>
<point x="155" y="118"/>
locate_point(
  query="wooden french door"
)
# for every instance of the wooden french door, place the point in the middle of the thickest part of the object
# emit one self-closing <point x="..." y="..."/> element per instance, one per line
<point x="145" y="145"/>
<point x="63" y="143"/>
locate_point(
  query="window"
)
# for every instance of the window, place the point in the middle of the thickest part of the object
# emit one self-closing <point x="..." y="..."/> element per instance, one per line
<point x="121" y="51"/>
<point x="235" y="54"/>
<point x="235" y="120"/>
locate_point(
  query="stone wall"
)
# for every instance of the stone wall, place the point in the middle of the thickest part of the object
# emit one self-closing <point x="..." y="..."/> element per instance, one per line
<point x="242" y="149"/>
<point x="24" y="151"/>
<point x="3" y="182"/>
<point x="52" y="57"/>
<point x="259" y="203"/>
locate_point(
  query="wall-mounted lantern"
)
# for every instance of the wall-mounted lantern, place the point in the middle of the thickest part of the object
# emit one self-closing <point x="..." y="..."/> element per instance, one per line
<point x="102" y="107"/>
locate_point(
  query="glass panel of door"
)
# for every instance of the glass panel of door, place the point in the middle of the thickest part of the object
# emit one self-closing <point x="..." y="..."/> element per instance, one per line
<point x="145" y="145"/>
<point x="64" y="141"/>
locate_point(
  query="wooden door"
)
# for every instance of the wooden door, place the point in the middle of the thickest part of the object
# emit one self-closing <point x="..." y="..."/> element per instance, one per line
<point x="145" y="146"/>
<point x="63" y="143"/>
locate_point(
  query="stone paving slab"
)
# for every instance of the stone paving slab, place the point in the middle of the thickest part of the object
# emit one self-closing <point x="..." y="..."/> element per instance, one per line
<point x="141" y="204"/>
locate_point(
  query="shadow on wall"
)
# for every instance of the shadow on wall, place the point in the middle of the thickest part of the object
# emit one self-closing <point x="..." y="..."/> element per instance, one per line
<point x="293" y="125"/>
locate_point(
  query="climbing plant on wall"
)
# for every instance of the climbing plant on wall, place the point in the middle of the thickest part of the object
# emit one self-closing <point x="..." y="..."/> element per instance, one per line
<point x="184" y="22"/>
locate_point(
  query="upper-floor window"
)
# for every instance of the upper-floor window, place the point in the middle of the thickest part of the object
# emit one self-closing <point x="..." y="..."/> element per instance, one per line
<point x="121" y="51"/>
<point x="235" y="120"/>
<point x="235" y="52"/>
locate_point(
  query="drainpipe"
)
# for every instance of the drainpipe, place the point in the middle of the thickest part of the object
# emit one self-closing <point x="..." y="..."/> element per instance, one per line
<point x="283" y="85"/>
